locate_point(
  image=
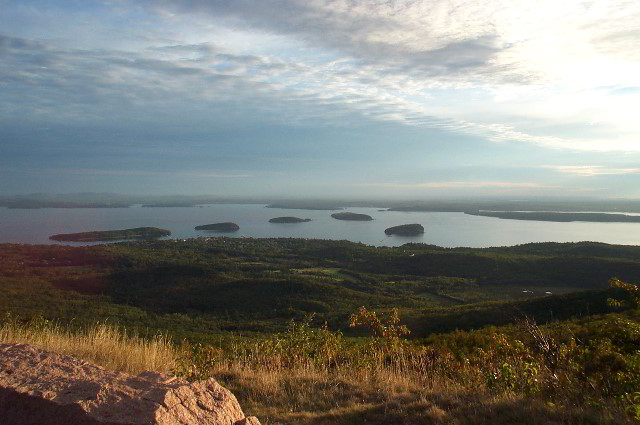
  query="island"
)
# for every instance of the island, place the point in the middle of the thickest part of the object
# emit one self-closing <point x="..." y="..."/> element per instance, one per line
<point x="405" y="230"/>
<point x="112" y="235"/>
<point x="220" y="227"/>
<point x="169" y="205"/>
<point x="289" y="220"/>
<point x="349" y="216"/>
<point x="562" y="217"/>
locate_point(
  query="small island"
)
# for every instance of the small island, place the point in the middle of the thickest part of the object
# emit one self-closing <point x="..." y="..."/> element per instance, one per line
<point x="289" y="220"/>
<point x="405" y="230"/>
<point x="169" y="205"/>
<point x="349" y="216"/>
<point x="112" y="235"/>
<point x="220" y="227"/>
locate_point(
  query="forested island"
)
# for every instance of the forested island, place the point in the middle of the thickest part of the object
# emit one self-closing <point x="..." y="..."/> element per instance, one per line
<point x="349" y="216"/>
<point x="405" y="230"/>
<point x="289" y="220"/>
<point x="219" y="227"/>
<point x="563" y="217"/>
<point x="112" y="235"/>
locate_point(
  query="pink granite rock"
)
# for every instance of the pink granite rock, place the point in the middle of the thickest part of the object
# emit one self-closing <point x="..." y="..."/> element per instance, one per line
<point x="38" y="387"/>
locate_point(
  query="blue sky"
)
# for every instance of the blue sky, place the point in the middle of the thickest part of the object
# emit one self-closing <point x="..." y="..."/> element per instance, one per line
<point x="321" y="98"/>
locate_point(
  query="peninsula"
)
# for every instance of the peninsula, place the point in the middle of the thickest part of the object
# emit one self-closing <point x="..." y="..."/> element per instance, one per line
<point x="112" y="235"/>
<point x="349" y="216"/>
<point x="405" y="230"/>
<point x="220" y="227"/>
<point x="289" y="220"/>
<point x="562" y="217"/>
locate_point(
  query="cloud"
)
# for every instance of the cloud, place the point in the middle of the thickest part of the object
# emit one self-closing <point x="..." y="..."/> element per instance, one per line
<point x="146" y="173"/>
<point x="110" y="84"/>
<point x="394" y="59"/>
<point x="432" y="38"/>
<point x="460" y="185"/>
<point x="593" y="170"/>
<point x="498" y="39"/>
<point x="433" y="64"/>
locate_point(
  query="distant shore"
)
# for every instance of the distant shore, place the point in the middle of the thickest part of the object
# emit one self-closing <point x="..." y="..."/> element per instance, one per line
<point x="34" y="205"/>
<point x="305" y="206"/>
<point x="560" y="217"/>
<point x="115" y="200"/>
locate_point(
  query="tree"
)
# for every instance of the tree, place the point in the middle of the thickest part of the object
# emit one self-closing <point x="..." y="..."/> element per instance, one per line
<point x="630" y="288"/>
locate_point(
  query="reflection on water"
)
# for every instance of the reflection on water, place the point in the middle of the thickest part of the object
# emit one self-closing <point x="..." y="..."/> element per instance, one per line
<point x="443" y="229"/>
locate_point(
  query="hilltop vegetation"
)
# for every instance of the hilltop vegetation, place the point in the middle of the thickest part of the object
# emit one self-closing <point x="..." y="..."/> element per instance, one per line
<point x="575" y="372"/>
<point x="270" y="319"/>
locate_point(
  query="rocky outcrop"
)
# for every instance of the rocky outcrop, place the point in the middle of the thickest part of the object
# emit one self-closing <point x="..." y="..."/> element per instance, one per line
<point x="405" y="230"/>
<point x="351" y="216"/>
<point x="38" y="387"/>
<point x="220" y="227"/>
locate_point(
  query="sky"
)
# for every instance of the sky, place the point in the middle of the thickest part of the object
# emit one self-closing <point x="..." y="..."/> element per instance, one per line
<point x="403" y="99"/>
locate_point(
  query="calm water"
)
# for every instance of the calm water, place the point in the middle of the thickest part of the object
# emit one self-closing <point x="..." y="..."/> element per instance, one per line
<point x="443" y="229"/>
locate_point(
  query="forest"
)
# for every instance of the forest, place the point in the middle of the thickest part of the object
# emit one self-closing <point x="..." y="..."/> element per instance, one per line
<point x="553" y="322"/>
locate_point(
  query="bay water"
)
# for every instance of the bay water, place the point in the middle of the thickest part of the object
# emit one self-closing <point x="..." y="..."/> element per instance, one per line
<point x="447" y="229"/>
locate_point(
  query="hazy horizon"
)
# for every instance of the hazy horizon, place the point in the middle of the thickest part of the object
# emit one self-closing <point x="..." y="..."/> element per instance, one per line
<point x="310" y="197"/>
<point x="322" y="99"/>
<point x="571" y="203"/>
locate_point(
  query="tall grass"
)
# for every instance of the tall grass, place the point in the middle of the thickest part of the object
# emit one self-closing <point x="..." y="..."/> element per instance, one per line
<point x="311" y="375"/>
<point x="103" y="344"/>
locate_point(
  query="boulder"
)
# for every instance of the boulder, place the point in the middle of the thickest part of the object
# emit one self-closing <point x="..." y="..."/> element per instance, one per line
<point x="43" y="388"/>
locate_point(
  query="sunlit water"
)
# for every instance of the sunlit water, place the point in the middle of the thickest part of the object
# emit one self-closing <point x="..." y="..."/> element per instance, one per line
<point x="443" y="229"/>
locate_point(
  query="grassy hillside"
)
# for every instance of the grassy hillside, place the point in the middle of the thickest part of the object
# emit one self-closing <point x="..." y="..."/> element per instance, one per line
<point x="270" y="319"/>
<point x="574" y="372"/>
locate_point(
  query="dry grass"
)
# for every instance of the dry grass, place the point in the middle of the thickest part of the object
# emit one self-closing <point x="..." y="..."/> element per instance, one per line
<point x="307" y="396"/>
<point x="102" y="344"/>
<point x="282" y="386"/>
